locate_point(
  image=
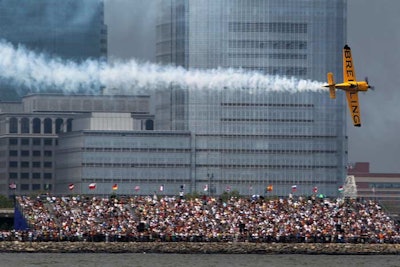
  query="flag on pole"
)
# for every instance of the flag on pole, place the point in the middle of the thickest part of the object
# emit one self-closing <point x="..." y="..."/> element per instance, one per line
<point x="205" y="188"/>
<point x="115" y="187"/>
<point x="137" y="188"/>
<point x="92" y="186"/>
<point x="228" y="188"/>
<point x="12" y="186"/>
<point x="340" y="189"/>
<point x="71" y="186"/>
<point x="294" y="188"/>
<point x="315" y="190"/>
<point x="270" y="188"/>
<point x="161" y="188"/>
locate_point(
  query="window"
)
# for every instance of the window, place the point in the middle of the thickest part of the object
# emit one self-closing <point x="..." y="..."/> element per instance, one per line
<point x="48" y="153"/>
<point x="13" y="175"/>
<point x="25" y="153"/>
<point x="48" y="142"/>
<point x="47" y="175"/>
<point x="59" y="125"/>
<point x="13" y="141"/>
<point x="25" y="175"/>
<point x="36" y="125"/>
<point x="24" y="164"/>
<point x="36" y="187"/>
<point x="37" y="142"/>
<point x="48" y="124"/>
<point x="13" y="164"/>
<point x="36" y="175"/>
<point x="48" y="164"/>
<point x="36" y="164"/>
<point x="149" y="125"/>
<point x="24" y="186"/>
<point x="47" y="186"/>
<point x="24" y="125"/>
<point x="13" y="125"/>
<point x="25" y="141"/>
<point x="36" y="153"/>
<point x="13" y="153"/>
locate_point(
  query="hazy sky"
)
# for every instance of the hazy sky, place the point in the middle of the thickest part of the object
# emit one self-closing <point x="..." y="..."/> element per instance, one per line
<point x="374" y="36"/>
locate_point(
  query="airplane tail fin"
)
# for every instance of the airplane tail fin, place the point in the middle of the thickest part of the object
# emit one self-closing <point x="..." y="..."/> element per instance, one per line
<point x="331" y="84"/>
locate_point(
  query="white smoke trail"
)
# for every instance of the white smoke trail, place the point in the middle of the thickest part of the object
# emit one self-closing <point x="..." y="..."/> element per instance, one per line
<point x="38" y="71"/>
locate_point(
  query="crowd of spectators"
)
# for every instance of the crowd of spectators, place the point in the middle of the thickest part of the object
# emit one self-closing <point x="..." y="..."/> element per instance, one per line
<point x="206" y="219"/>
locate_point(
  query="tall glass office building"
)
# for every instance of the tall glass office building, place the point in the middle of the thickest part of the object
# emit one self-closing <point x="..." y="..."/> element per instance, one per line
<point x="70" y="29"/>
<point x="248" y="139"/>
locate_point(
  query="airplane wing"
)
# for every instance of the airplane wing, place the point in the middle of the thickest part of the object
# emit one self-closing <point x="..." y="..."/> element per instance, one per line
<point x="349" y="75"/>
<point x="354" y="107"/>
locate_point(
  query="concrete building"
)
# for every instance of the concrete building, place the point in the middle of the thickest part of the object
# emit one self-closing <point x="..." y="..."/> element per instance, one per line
<point x="384" y="187"/>
<point x="29" y="132"/>
<point x="246" y="138"/>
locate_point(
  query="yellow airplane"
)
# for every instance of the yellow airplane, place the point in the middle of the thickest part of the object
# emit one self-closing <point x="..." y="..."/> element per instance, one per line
<point x="350" y="85"/>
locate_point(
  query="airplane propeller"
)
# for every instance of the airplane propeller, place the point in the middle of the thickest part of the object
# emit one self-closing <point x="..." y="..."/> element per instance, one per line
<point x="369" y="86"/>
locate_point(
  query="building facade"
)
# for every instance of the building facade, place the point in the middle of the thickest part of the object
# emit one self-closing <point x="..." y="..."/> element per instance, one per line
<point x="247" y="139"/>
<point x="123" y="162"/>
<point x="384" y="187"/>
<point x="30" y="129"/>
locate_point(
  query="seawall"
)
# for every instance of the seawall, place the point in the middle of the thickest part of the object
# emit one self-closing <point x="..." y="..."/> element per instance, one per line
<point x="200" y="248"/>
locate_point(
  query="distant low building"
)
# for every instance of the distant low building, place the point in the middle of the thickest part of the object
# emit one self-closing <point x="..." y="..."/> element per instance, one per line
<point x="384" y="187"/>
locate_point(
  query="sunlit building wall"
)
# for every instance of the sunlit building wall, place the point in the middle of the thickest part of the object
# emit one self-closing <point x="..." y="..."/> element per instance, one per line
<point x="247" y="139"/>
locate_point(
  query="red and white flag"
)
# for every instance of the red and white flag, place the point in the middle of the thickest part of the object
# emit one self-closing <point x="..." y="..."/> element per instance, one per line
<point x="13" y="186"/>
<point x="137" y="188"/>
<point x="315" y="189"/>
<point x="71" y="187"/>
<point x="92" y="186"/>
<point x="228" y="188"/>
<point x="294" y="188"/>
<point x="205" y="188"/>
<point x="115" y="187"/>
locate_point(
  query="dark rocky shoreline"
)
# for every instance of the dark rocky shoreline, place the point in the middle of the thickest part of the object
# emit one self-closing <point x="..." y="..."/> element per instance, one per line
<point x="200" y="248"/>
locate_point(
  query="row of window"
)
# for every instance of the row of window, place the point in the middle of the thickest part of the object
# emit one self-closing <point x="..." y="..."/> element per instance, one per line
<point x="135" y="165"/>
<point x="267" y="151"/>
<point x="27" y="164"/>
<point x="270" y="56"/>
<point x="28" y="175"/>
<point x="265" y="120"/>
<point x="27" y="153"/>
<point x="384" y="185"/>
<point x="266" y="166"/>
<point x="277" y="27"/>
<point x="236" y="104"/>
<point x="35" y="141"/>
<point x="271" y="136"/>
<point x="285" y="71"/>
<point x="268" y="44"/>
<point x="233" y="166"/>
<point x="25" y="125"/>
<point x="133" y="149"/>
